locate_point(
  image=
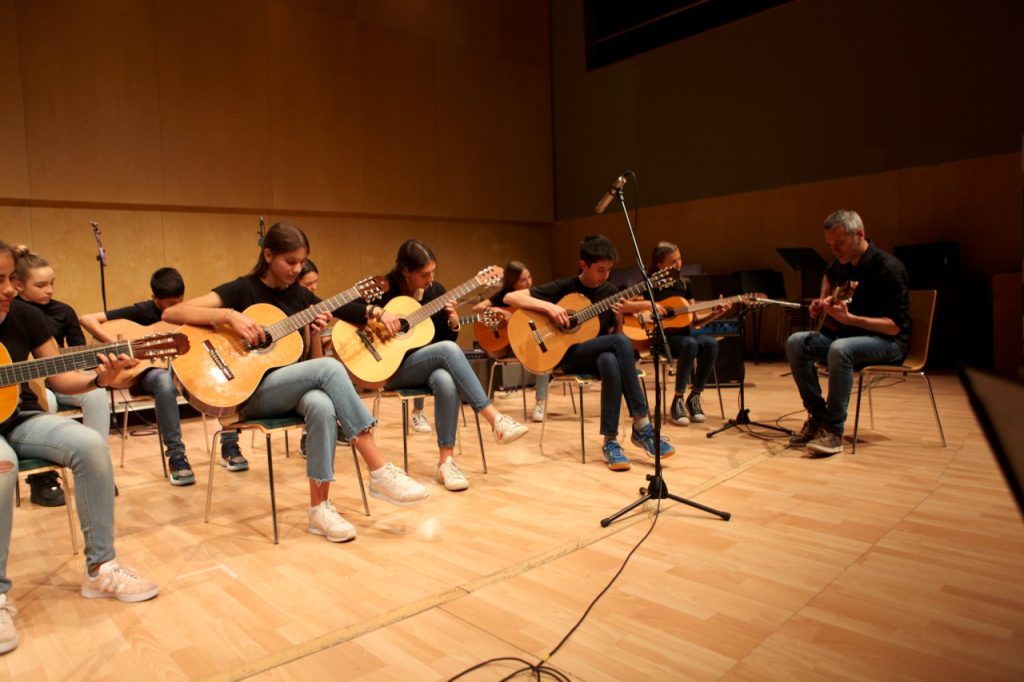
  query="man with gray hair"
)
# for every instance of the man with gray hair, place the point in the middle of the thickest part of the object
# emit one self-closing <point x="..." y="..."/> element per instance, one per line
<point x="864" y="310"/>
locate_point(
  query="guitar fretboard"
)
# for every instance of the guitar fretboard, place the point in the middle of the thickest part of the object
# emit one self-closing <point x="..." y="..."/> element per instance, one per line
<point x="283" y="328"/>
<point x="605" y="304"/>
<point x="27" y="370"/>
<point x="429" y="309"/>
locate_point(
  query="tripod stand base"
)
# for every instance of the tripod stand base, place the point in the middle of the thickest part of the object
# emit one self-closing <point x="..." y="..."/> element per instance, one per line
<point x="657" y="490"/>
<point x="743" y="419"/>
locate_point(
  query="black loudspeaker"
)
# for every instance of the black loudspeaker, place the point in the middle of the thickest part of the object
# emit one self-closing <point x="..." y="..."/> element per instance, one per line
<point x="729" y="365"/>
<point x="930" y="266"/>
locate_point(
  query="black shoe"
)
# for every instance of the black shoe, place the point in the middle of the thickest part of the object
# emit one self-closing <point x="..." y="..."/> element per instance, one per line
<point x="341" y="436"/>
<point x="302" y="444"/>
<point x="678" y="412"/>
<point x="694" y="408"/>
<point x="46" y="490"/>
<point x="232" y="459"/>
<point x="181" y="470"/>
<point x="807" y="432"/>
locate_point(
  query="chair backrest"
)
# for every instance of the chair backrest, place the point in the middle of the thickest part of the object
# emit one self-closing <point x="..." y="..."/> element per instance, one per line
<point x="922" y="313"/>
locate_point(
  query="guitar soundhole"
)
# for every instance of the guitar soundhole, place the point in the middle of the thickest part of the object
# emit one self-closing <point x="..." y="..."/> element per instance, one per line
<point x="404" y="327"/>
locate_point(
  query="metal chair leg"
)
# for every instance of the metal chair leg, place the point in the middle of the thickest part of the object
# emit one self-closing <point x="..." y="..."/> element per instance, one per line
<point x="856" y="419"/>
<point x="935" y="409"/>
<point x="583" y="443"/>
<point x="359" y="475"/>
<point x="273" y="497"/>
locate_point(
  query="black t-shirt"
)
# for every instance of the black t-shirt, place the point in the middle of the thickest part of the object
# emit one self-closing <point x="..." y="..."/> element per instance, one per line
<point x="355" y="312"/>
<point x="498" y="299"/>
<point x="63" y="321"/>
<point x="24" y="329"/>
<point x="143" y="312"/>
<point x="553" y="292"/>
<point x="249" y="290"/>
<point x="882" y="291"/>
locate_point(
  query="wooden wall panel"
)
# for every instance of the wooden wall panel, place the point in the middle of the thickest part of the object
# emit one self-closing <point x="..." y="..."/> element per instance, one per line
<point x="526" y="32"/>
<point x="15" y="225"/>
<point x="469" y="102"/>
<point x="14" y="168"/>
<point x="91" y="100"/>
<point x="314" y="106"/>
<point x="526" y="143"/>
<point x="214" y="105"/>
<point x="399" y="123"/>
<point x="208" y="248"/>
<point x="473" y="24"/>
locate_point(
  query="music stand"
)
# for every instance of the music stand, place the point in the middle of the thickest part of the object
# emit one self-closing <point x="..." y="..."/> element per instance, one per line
<point x="996" y="402"/>
<point x="811" y="266"/>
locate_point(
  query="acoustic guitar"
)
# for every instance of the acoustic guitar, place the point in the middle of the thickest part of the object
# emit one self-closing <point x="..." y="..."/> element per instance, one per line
<point x="126" y="330"/>
<point x="539" y="344"/>
<point x="371" y="355"/>
<point x="679" y="314"/>
<point x="14" y="373"/>
<point x="223" y="369"/>
<point x="841" y="293"/>
<point x="490" y="328"/>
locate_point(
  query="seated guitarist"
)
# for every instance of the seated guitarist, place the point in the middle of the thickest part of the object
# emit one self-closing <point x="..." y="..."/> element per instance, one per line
<point x="34" y="279"/>
<point x="317" y="388"/>
<point x="517" y="277"/>
<point x="440" y="365"/>
<point x="685" y="346"/>
<point x="168" y="289"/>
<point x="609" y="356"/>
<point x="872" y="329"/>
<point x="30" y="433"/>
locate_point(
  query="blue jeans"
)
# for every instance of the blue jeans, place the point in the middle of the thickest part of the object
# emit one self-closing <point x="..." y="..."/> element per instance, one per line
<point x="95" y="407"/>
<point x="444" y="369"/>
<point x="85" y="452"/>
<point x="803" y="349"/>
<point x="320" y="391"/>
<point x="702" y="348"/>
<point x="611" y="358"/>
<point x="158" y="383"/>
<point x="541" y="385"/>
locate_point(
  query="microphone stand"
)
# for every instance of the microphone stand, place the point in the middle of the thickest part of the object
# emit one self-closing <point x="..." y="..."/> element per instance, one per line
<point x="743" y="416"/>
<point x="656" y="489"/>
<point x="101" y="257"/>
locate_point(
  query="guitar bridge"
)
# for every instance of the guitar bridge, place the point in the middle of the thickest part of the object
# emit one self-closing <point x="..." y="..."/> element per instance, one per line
<point x="537" y="337"/>
<point x="218" y="360"/>
<point x="368" y="344"/>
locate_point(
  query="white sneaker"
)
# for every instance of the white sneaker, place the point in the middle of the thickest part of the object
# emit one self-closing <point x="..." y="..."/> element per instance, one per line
<point x="420" y="423"/>
<point x="450" y="475"/>
<point x="325" y="520"/>
<point x="507" y="429"/>
<point x="393" y="485"/>
<point x="538" y="412"/>
<point x="8" y="633"/>
<point x="112" y="580"/>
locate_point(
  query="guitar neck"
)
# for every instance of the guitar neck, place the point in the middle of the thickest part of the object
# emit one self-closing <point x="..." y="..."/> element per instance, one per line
<point x="292" y="323"/>
<point x="428" y="310"/>
<point x="471" y="319"/>
<point x="707" y="305"/>
<point x="27" y="370"/>
<point x="605" y="304"/>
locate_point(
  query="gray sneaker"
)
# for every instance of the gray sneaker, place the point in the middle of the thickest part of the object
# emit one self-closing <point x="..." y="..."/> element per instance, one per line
<point x="826" y="443"/>
<point x="807" y="432"/>
<point x="8" y="633"/>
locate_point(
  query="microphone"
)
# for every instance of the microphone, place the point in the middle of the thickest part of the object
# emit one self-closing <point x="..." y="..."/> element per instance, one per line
<point x="102" y="255"/>
<point x="606" y="199"/>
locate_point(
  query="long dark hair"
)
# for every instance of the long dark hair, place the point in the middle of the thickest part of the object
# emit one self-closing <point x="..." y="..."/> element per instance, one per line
<point x="513" y="271"/>
<point x="280" y="238"/>
<point x="658" y="253"/>
<point x="412" y="255"/>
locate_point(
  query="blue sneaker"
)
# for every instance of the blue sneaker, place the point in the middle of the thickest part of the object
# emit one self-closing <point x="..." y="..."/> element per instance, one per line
<point x="231" y="457"/>
<point x="644" y="438"/>
<point x="614" y="456"/>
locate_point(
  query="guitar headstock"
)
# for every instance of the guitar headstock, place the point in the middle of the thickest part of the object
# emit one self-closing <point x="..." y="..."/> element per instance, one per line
<point x="372" y="288"/>
<point x="160" y="346"/>
<point x="844" y="292"/>
<point x="754" y="299"/>
<point x="665" y="277"/>
<point x="491" y="317"/>
<point x="490" y="276"/>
